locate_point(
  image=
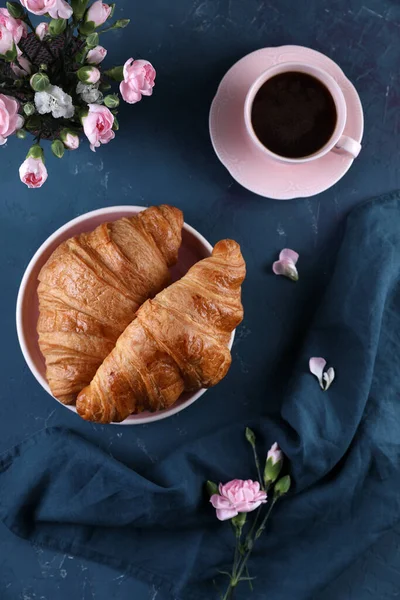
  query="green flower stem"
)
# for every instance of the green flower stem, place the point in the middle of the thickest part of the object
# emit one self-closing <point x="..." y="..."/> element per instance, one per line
<point x="237" y="571"/>
<point x="262" y="526"/>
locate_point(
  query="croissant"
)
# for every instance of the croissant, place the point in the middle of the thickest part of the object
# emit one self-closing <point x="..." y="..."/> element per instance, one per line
<point x="91" y="287"/>
<point x="177" y="342"/>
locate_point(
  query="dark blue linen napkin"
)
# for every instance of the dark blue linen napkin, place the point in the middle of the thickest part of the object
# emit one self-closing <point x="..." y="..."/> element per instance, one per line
<point x="60" y="491"/>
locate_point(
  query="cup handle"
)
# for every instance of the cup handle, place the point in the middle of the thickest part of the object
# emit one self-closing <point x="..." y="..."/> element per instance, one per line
<point x="348" y="145"/>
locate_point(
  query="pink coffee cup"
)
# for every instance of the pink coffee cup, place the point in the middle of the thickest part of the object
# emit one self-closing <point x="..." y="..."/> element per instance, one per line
<point x="337" y="142"/>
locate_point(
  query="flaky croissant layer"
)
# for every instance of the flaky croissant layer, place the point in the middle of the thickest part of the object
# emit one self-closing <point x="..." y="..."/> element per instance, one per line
<point x="177" y="342"/>
<point x="91" y="287"/>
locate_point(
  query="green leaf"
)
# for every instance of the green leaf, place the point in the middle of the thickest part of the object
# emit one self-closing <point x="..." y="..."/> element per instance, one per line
<point x="10" y="55"/>
<point x="250" y="436"/>
<point x="57" y="148"/>
<point x="79" y="7"/>
<point x="104" y="87"/>
<point x="57" y="26"/>
<point x="29" y="109"/>
<point x="282" y="486"/>
<point x="115" y="124"/>
<point x="116" y="73"/>
<point x="15" y="10"/>
<point x="33" y="123"/>
<point x="111" y="101"/>
<point x="112" y="6"/>
<point x="39" y="82"/>
<point x="21" y="134"/>
<point x="87" y="28"/>
<point x="92" y="40"/>
<point x="121" y="23"/>
<point x="211" y="488"/>
<point x="35" y="151"/>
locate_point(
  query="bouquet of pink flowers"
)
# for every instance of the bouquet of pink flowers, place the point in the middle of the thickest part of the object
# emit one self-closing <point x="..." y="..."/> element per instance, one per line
<point x="51" y="82"/>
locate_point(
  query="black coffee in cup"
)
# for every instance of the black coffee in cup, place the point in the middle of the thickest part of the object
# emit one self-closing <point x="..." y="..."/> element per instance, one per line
<point x="293" y="114"/>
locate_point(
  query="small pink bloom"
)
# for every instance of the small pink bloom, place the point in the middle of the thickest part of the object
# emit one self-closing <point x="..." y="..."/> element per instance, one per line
<point x="22" y="67"/>
<point x="96" y="55"/>
<point x="286" y="265"/>
<point x="71" y="141"/>
<point x="10" y="120"/>
<point x="98" y="13"/>
<point x="317" y="366"/>
<point x="57" y="9"/>
<point x="97" y="125"/>
<point x="33" y="172"/>
<point x="139" y="76"/>
<point x="93" y="75"/>
<point x="275" y="454"/>
<point x="16" y="27"/>
<point x="42" y="30"/>
<point x="236" y="497"/>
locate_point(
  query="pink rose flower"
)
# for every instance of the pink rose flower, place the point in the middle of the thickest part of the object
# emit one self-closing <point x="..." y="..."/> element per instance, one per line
<point x="16" y="27"/>
<point x="10" y="120"/>
<point x="96" y="55"/>
<point x="98" y="13"/>
<point x="139" y="76"/>
<point x="236" y="497"/>
<point x="42" y="30"/>
<point x="6" y="40"/>
<point x="286" y="265"/>
<point x="275" y="454"/>
<point x="57" y="9"/>
<point x="33" y="172"/>
<point x="97" y="125"/>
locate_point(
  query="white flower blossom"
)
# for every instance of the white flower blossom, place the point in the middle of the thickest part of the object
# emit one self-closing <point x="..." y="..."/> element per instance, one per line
<point x="89" y="93"/>
<point x="56" y="101"/>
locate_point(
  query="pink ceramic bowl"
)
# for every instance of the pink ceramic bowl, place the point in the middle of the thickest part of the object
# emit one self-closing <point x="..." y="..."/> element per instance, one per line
<point x="194" y="248"/>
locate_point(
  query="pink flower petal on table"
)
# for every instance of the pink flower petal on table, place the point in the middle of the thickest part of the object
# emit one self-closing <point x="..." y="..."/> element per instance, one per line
<point x="329" y="376"/>
<point x="317" y="366"/>
<point x="286" y="268"/>
<point x="290" y="255"/>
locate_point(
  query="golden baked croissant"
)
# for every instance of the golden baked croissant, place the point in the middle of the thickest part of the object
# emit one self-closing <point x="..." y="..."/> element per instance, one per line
<point x="177" y="342"/>
<point x="91" y="287"/>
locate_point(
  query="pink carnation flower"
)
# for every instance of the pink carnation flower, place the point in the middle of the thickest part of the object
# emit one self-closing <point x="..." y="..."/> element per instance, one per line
<point x="97" y="125"/>
<point x="237" y="496"/>
<point x="33" y="173"/>
<point x="139" y="76"/>
<point x="10" y="120"/>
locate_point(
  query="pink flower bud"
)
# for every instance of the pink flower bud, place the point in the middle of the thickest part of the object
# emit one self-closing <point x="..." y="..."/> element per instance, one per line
<point x="89" y="74"/>
<point x="33" y="173"/>
<point x="42" y="30"/>
<point x="98" y="13"/>
<point x="70" y="139"/>
<point x="139" y="76"/>
<point x="96" y="55"/>
<point x="237" y="496"/>
<point x="275" y="454"/>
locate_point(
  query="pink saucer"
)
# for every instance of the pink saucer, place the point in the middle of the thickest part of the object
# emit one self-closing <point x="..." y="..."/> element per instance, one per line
<point x="247" y="164"/>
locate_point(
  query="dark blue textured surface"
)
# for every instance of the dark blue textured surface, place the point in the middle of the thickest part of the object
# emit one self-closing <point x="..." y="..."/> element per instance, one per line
<point x="163" y="154"/>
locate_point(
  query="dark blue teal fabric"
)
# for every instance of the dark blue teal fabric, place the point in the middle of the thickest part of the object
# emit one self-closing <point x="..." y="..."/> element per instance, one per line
<point x="58" y="490"/>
